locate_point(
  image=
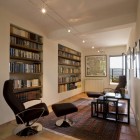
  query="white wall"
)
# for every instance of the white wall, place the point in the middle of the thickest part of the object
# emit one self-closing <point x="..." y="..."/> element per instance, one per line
<point x="135" y="82"/>
<point x="50" y="63"/>
<point x="118" y="50"/>
<point x="50" y="69"/>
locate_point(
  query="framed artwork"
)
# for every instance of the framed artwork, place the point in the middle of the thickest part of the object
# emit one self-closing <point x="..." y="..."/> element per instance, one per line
<point x="129" y="58"/>
<point x="135" y="61"/>
<point x="96" y="66"/>
<point x="138" y="60"/>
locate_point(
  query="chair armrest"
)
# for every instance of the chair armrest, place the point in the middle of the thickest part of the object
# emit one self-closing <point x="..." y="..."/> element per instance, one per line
<point x="30" y="109"/>
<point x="33" y="100"/>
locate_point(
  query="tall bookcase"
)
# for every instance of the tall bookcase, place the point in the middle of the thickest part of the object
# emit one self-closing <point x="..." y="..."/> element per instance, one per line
<point x="69" y="69"/>
<point x="26" y="63"/>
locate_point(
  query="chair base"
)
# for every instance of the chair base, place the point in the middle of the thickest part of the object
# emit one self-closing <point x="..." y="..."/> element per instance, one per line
<point x="64" y="123"/>
<point x="23" y="130"/>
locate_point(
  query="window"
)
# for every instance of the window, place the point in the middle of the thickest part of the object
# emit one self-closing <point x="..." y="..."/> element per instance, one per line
<point x="117" y="68"/>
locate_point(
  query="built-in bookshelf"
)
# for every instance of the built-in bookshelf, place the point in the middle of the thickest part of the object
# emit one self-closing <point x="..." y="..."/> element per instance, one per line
<point x="69" y="69"/>
<point x="26" y="63"/>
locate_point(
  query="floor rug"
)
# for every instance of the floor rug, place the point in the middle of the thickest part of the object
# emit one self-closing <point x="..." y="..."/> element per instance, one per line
<point x="85" y="127"/>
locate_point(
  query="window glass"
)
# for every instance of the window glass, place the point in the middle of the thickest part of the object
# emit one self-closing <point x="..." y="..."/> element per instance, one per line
<point x="115" y="68"/>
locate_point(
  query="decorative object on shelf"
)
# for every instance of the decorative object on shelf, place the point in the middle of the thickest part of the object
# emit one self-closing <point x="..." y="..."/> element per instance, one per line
<point x="69" y="69"/>
<point x="96" y="65"/>
<point x="26" y="63"/>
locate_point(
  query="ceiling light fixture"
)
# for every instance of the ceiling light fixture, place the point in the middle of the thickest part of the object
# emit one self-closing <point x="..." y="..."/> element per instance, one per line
<point x="55" y="16"/>
<point x="43" y="10"/>
<point x="69" y="30"/>
<point x="92" y="47"/>
<point x="83" y="41"/>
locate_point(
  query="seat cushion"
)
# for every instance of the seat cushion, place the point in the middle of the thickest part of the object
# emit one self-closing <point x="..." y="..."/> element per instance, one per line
<point x="94" y="94"/>
<point x="62" y="109"/>
<point x="35" y="111"/>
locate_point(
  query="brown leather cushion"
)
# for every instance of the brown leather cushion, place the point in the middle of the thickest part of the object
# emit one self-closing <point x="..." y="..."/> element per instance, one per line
<point x="94" y="94"/>
<point x="62" y="109"/>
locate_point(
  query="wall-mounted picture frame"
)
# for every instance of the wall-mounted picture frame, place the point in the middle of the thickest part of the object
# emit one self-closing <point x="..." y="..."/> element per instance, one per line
<point x="138" y="59"/>
<point x="129" y="58"/>
<point x="134" y="51"/>
<point x="96" y="66"/>
<point x="134" y="59"/>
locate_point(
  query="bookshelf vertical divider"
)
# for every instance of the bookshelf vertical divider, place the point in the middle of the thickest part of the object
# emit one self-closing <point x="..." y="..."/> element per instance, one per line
<point x="69" y="69"/>
<point x="26" y="63"/>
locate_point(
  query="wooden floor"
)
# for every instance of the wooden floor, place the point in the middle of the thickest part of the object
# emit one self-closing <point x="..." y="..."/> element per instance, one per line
<point x="128" y="132"/>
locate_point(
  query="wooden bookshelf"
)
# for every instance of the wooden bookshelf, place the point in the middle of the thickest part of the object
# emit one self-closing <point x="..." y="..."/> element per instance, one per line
<point x="69" y="69"/>
<point x="26" y="63"/>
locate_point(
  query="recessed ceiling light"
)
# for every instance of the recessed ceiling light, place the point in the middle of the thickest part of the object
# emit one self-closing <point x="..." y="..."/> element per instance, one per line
<point x="43" y="10"/>
<point x="92" y="47"/>
<point x="83" y="41"/>
<point x="69" y="30"/>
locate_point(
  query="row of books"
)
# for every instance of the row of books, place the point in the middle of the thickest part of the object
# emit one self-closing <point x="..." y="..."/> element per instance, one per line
<point x="24" y="54"/>
<point x="18" y="83"/>
<point x="68" y="70"/>
<point x="68" y="79"/>
<point x="25" y="43"/>
<point x="26" y="34"/>
<point x="70" y="86"/>
<point x="66" y="49"/>
<point x="68" y="55"/>
<point x="20" y="67"/>
<point x="26" y="96"/>
<point x="68" y="62"/>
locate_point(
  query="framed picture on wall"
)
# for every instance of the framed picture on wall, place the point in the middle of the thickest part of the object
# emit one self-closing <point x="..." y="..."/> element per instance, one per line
<point x="129" y="58"/>
<point x="96" y="66"/>
<point x="135" y="61"/>
<point x="138" y="60"/>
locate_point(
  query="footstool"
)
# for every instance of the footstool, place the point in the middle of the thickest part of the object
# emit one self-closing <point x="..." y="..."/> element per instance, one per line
<point x="94" y="94"/>
<point x="62" y="109"/>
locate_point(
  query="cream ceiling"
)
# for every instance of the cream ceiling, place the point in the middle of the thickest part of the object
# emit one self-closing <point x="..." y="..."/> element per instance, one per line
<point x="101" y="23"/>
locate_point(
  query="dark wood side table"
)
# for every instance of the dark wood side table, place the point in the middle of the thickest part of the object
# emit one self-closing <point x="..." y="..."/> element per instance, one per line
<point x="102" y="104"/>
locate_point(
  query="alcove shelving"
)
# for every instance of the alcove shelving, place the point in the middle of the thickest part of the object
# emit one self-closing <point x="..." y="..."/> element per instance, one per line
<point x="69" y="69"/>
<point x="26" y="63"/>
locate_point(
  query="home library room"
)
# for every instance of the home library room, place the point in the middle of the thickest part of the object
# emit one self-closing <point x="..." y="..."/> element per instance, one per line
<point x="69" y="69"/>
<point x="26" y="63"/>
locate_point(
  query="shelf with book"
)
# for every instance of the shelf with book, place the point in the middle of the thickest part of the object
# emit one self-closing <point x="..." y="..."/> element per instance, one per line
<point x="26" y="63"/>
<point x="69" y="69"/>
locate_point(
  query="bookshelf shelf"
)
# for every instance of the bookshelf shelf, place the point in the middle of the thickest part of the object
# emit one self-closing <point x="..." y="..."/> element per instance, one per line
<point x="69" y="82"/>
<point x="26" y="63"/>
<point x="23" y="47"/>
<point x="20" y="73"/>
<point x="68" y="64"/>
<point x="69" y="58"/>
<point x="19" y="90"/>
<point x="69" y="69"/>
<point x="26" y="59"/>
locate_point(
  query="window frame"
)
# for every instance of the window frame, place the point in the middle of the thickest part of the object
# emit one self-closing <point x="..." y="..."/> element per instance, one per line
<point x="123" y="67"/>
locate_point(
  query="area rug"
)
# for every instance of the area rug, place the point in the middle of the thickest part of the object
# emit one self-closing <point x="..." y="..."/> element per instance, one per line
<point x="85" y="126"/>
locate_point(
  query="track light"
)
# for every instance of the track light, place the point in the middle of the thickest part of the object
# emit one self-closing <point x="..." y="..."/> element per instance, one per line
<point x="69" y="30"/>
<point x="83" y="41"/>
<point x="43" y="10"/>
